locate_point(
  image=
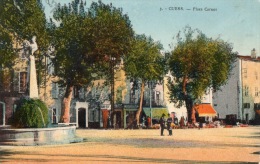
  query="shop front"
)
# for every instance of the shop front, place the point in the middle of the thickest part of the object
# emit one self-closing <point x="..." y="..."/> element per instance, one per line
<point x="205" y="113"/>
<point x="129" y="116"/>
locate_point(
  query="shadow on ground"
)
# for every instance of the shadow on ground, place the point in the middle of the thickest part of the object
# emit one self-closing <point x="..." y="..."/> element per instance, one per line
<point x="101" y="159"/>
<point x="160" y="143"/>
<point x="7" y="154"/>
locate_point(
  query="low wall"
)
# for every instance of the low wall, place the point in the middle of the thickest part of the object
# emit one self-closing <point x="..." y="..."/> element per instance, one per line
<point x="38" y="136"/>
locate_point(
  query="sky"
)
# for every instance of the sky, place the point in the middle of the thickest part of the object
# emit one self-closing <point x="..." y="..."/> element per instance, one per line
<point x="234" y="21"/>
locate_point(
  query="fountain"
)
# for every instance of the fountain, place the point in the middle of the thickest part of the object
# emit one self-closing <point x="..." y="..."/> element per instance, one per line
<point x="36" y="136"/>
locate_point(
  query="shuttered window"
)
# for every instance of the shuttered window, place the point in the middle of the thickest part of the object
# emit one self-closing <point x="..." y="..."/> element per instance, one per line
<point x="22" y="82"/>
<point x="55" y="90"/>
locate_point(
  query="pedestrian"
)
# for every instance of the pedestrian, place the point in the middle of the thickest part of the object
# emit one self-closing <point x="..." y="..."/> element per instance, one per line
<point x="169" y="122"/>
<point x="200" y="124"/>
<point x="148" y="122"/>
<point x="176" y="121"/>
<point x="162" y="124"/>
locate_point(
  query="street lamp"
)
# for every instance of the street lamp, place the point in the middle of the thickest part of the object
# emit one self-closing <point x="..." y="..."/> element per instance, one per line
<point x="150" y="83"/>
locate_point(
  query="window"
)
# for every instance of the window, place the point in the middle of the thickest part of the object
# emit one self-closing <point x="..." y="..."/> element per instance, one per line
<point x="50" y="67"/>
<point x="244" y="72"/>
<point x="22" y="82"/>
<point x="92" y="115"/>
<point x="132" y="96"/>
<point x="157" y="97"/>
<point x="55" y="90"/>
<point x="54" y="115"/>
<point x="256" y="92"/>
<point x="246" y="105"/>
<point x="257" y="106"/>
<point x="246" y="90"/>
<point x="16" y="81"/>
<point x="76" y="91"/>
<point x="256" y="75"/>
<point x="81" y="93"/>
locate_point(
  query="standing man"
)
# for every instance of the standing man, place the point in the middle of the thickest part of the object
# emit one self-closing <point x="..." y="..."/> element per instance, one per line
<point x="169" y="122"/>
<point x="162" y="125"/>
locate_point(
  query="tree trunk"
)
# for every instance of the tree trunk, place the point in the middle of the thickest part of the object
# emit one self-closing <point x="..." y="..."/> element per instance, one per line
<point x="189" y="104"/>
<point x="141" y="104"/>
<point x="65" y="110"/>
<point x="188" y="101"/>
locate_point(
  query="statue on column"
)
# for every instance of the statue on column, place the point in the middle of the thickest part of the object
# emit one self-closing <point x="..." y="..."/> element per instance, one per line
<point x="29" y="50"/>
<point x="30" y="47"/>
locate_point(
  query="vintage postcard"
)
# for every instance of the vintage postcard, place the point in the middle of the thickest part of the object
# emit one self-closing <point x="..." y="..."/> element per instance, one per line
<point x="130" y="81"/>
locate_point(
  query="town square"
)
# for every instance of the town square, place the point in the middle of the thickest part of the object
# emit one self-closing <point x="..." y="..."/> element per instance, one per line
<point x="211" y="145"/>
<point x="110" y="81"/>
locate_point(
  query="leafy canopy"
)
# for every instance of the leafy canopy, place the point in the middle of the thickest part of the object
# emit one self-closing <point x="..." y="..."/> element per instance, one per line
<point x="20" y="20"/>
<point x="144" y="61"/>
<point x="197" y="63"/>
<point x="85" y="40"/>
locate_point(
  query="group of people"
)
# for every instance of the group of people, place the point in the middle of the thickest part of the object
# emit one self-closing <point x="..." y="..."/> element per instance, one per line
<point x="169" y="121"/>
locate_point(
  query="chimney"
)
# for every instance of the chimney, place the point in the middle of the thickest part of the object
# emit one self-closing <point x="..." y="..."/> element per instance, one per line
<point x="253" y="53"/>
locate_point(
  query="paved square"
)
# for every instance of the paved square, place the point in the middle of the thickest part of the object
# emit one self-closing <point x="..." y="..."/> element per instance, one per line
<point x="215" y="145"/>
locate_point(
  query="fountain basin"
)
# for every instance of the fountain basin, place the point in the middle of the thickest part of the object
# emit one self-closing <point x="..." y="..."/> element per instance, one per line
<point x="38" y="136"/>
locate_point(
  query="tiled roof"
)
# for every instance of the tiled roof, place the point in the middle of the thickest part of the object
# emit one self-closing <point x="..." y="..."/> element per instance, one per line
<point x="248" y="58"/>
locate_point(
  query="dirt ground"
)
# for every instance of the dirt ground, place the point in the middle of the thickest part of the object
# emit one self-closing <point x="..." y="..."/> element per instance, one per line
<point x="214" y="145"/>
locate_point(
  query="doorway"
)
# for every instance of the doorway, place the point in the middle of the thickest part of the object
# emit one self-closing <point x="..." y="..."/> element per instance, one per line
<point x="247" y="118"/>
<point x="54" y="115"/>
<point x="118" y="119"/>
<point x="82" y="117"/>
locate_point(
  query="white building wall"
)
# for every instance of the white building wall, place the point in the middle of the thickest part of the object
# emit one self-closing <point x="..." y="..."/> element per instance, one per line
<point x="179" y="112"/>
<point x="207" y="97"/>
<point x="226" y="100"/>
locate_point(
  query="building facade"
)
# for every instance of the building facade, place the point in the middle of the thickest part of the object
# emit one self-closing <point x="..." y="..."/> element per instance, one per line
<point x="240" y="97"/>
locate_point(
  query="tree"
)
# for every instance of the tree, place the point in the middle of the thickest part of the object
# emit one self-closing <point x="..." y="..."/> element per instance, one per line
<point x="85" y="41"/>
<point x="23" y="19"/>
<point x="144" y="63"/>
<point x="19" y="21"/>
<point x="7" y="54"/>
<point x="198" y="63"/>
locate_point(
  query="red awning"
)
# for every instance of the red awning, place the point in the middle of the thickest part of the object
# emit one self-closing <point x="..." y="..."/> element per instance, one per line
<point x="205" y="110"/>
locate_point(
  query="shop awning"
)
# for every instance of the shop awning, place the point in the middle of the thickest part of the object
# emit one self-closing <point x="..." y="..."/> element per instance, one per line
<point x="156" y="112"/>
<point x="205" y="110"/>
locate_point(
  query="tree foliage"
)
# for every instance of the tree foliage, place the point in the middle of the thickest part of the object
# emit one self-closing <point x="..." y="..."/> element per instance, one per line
<point x="144" y="63"/>
<point x="22" y="20"/>
<point x="19" y="21"/>
<point x="144" y="60"/>
<point x="85" y="40"/>
<point x="198" y="63"/>
<point x="7" y="54"/>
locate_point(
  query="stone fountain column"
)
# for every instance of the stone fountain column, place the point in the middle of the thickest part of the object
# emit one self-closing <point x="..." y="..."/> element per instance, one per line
<point x="33" y="88"/>
<point x="30" y="48"/>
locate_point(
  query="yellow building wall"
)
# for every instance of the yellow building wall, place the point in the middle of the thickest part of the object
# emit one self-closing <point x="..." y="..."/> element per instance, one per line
<point x="250" y="75"/>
